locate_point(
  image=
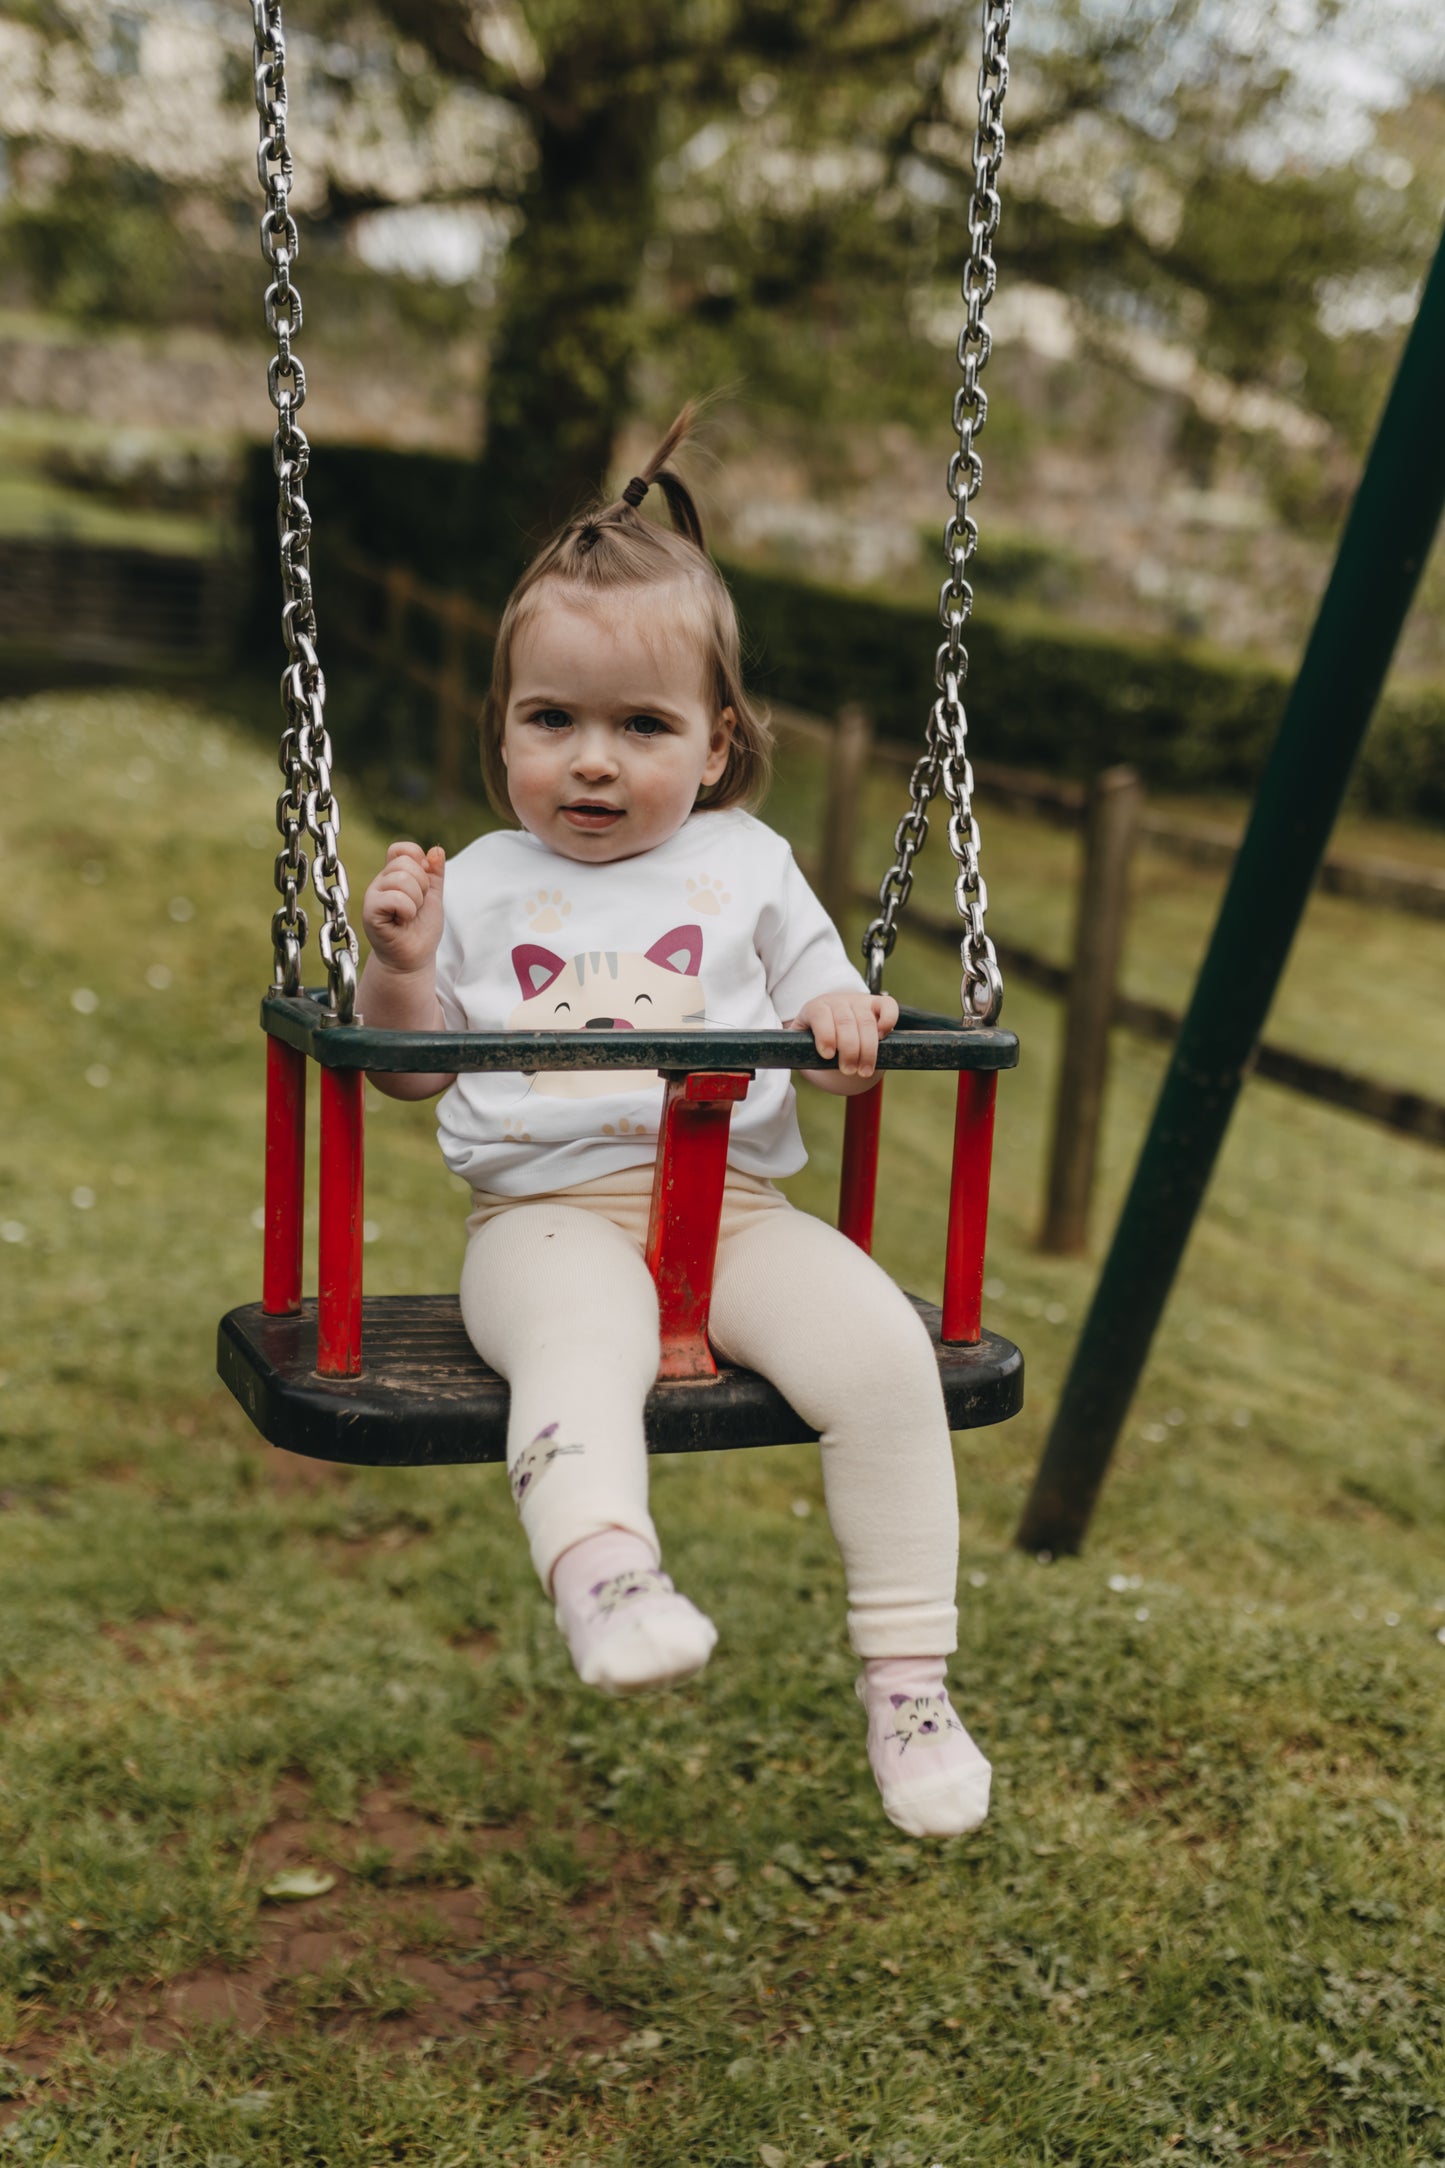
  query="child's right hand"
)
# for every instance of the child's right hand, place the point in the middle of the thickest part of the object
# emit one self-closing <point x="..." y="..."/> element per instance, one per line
<point x="402" y="909"/>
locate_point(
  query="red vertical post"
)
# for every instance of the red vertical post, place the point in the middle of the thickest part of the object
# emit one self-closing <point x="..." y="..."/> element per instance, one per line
<point x="968" y="1207"/>
<point x="338" y="1309"/>
<point x="687" y="1196"/>
<point x="858" y="1186"/>
<point x="285" y="1178"/>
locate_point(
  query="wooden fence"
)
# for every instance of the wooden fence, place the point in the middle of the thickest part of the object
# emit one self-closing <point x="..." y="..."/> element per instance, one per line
<point x="1418" y="889"/>
<point x="463" y="632"/>
<point x="113" y="608"/>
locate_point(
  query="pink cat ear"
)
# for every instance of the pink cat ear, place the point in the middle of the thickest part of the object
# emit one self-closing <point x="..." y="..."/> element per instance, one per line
<point x="680" y="950"/>
<point x="897" y="1700"/>
<point x="536" y="968"/>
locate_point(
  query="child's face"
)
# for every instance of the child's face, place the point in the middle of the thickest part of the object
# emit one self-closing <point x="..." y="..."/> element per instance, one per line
<point x="609" y="734"/>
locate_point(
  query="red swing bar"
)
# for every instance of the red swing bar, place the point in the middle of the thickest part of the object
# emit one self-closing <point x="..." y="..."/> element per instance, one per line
<point x="968" y="1207"/>
<point x="338" y="1283"/>
<point x="967" y="1194"/>
<point x="285" y="1178"/>
<point x="687" y="1201"/>
<point x="858" y="1182"/>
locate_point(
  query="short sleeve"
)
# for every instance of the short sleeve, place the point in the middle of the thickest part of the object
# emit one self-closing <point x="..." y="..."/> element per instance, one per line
<point x="801" y="948"/>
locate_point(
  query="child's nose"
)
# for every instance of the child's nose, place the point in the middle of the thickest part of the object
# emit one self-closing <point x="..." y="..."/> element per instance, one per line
<point x="594" y="754"/>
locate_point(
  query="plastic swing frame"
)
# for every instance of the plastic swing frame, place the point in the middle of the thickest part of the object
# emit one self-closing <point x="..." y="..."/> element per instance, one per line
<point x="394" y="1380"/>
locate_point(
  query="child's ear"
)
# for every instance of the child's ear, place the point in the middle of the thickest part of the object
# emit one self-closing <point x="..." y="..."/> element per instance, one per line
<point x="721" y="746"/>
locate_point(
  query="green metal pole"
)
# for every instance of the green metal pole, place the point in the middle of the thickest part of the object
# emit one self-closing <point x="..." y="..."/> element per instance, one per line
<point x="1382" y="552"/>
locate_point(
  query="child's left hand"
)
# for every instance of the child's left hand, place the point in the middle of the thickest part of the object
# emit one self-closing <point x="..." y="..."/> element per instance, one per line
<point x="849" y="1025"/>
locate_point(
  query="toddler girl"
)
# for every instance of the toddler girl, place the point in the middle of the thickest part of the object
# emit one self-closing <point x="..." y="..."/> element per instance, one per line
<point x="636" y="891"/>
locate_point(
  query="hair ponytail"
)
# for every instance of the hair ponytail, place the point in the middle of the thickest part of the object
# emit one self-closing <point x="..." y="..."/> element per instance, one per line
<point x="686" y="519"/>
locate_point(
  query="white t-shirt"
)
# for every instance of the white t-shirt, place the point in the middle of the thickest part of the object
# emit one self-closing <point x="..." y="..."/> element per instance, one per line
<point x="715" y="927"/>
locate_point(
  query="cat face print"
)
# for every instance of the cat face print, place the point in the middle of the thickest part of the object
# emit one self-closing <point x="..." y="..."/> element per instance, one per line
<point x="922" y="1719"/>
<point x="608" y="990"/>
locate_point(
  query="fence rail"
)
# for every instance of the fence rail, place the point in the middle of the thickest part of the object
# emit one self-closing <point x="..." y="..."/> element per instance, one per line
<point x="1062" y="803"/>
<point x="1409" y="1113"/>
<point x="117" y="608"/>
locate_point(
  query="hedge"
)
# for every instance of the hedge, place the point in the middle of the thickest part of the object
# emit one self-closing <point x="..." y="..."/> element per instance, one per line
<point x="1046" y="693"/>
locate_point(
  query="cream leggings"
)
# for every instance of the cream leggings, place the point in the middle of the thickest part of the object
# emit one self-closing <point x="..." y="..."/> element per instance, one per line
<point x="557" y="1298"/>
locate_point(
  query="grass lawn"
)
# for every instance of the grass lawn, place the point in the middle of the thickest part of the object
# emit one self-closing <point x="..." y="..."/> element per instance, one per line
<point x="1206" y="1922"/>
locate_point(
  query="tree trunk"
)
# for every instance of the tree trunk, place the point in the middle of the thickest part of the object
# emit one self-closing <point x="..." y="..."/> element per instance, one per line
<point x="557" y="388"/>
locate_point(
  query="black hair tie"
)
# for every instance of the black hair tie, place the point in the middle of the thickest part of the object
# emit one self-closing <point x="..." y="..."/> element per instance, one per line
<point x="635" y="491"/>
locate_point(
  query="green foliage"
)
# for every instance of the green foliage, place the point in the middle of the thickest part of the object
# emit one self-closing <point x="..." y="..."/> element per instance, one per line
<point x="1260" y="251"/>
<point x="101" y="246"/>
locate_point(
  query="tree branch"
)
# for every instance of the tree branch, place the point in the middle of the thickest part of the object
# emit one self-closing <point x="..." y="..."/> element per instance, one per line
<point x="446" y="31"/>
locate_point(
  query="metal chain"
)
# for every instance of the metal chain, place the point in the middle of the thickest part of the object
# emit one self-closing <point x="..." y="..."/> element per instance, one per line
<point x="308" y="803"/>
<point x="945" y="762"/>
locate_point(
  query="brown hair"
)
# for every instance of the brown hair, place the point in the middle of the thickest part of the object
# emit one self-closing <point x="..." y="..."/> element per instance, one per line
<point x="611" y="548"/>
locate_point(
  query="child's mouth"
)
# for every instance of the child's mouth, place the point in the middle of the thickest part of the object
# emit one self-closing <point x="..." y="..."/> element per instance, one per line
<point x="591" y="815"/>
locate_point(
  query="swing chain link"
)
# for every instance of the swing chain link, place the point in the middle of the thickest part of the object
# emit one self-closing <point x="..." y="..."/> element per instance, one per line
<point x="944" y="763"/>
<point x="307" y="808"/>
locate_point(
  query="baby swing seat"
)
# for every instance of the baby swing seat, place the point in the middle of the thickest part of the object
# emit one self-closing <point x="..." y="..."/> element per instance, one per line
<point x="394" y="1380"/>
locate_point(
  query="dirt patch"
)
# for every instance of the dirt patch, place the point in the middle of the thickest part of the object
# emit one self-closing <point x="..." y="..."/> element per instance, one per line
<point x="1159" y="1784"/>
<point x="386" y="1839"/>
<point x="365" y="1536"/>
<point x="46" y="1499"/>
<point x="352" y="1967"/>
<point x="290" y="1472"/>
<point x="387" y="1954"/>
<point x="134" y="1636"/>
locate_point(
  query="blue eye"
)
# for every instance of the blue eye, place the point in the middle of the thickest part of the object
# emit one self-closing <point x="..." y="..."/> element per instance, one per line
<point x="553" y="718"/>
<point x="646" y="726"/>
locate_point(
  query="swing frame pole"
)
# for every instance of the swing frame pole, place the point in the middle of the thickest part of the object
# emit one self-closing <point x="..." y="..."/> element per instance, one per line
<point x="1386" y="539"/>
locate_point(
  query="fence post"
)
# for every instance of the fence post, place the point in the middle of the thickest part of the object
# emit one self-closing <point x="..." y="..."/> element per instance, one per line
<point x="451" y="699"/>
<point x="849" y="755"/>
<point x="1111" y="818"/>
<point x="396" y="581"/>
<point x="396" y="586"/>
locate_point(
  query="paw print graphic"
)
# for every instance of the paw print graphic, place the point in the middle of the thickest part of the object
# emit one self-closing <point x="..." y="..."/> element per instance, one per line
<point x="546" y="910"/>
<point x="707" y="895"/>
<point x="514" y="1133"/>
<point x="624" y="1128"/>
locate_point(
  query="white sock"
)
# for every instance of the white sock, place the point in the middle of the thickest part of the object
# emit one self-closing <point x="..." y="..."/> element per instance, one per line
<point x="624" y="1622"/>
<point x="933" y="1780"/>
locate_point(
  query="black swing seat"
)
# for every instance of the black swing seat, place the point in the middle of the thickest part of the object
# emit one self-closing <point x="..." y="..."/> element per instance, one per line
<point x="426" y="1399"/>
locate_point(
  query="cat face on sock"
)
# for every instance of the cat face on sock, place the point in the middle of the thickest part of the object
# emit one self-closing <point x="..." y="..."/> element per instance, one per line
<point x="922" y="1719"/>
